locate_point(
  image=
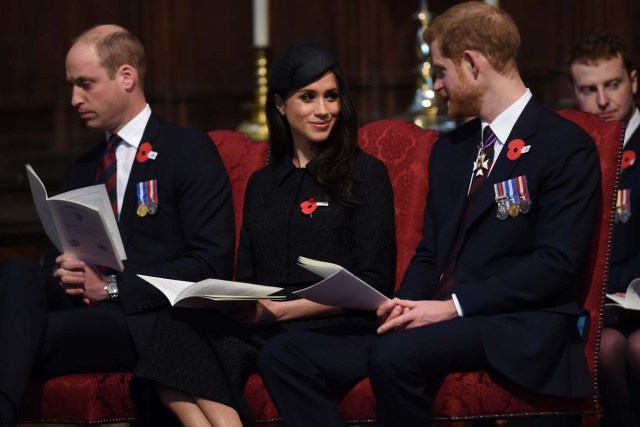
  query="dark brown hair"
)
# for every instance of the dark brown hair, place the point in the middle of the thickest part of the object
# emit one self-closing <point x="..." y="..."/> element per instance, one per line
<point x="595" y="47"/>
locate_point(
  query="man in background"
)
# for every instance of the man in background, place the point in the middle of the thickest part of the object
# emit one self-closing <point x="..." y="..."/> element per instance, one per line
<point x="171" y="195"/>
<point x="604" y="83"/>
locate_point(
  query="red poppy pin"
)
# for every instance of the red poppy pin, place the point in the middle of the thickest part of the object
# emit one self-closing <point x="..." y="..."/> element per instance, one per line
<point x="516" y="148"/>
<point x="143" y="152"/>
<point x="628" y="159"/>
<point x="308" y="207"/>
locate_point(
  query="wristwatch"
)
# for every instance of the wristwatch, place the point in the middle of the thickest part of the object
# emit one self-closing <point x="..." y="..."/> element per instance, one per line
<point x="112" y="287"/>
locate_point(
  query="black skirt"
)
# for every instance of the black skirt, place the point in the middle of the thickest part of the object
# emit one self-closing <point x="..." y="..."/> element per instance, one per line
<point x="210" y="355"/>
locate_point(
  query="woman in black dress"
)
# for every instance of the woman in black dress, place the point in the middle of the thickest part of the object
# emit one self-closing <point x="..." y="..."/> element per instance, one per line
<point x="320" y="197"/>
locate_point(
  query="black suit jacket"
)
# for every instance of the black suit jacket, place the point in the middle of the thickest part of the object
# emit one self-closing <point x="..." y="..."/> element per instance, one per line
<point x="517" y="277"/>
<point x="191" y="237"/>
<point x="625" y="255"/>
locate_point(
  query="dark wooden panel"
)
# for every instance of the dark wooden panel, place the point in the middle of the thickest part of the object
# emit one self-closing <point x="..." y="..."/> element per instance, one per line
<point x="201" y="64"/>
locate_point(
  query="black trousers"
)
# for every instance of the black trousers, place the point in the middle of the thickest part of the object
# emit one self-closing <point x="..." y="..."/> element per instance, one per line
<point x="306" y="373"/>
<point x="44" y="333"/>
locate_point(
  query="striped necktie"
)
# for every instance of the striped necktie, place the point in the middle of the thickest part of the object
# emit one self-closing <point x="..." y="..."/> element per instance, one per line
<point x="107" y="172"/>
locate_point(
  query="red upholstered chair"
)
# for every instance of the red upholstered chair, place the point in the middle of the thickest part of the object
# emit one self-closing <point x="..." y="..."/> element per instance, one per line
<point x="405" y="150"/>
<point x="478" y="395"/>
<point x="91" y="399"/>
<point x="241" y="157"/>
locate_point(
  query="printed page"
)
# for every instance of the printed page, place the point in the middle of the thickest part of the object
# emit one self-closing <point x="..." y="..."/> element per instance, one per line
<point x="96" y="196"/>
<point x="169" y="287"/>
<point x="631" y="300"/>
<point x="39" y="193"/>
<point x="84" y="234"/>
<point x="214" y="289"/>
<point x="321" y="268"/>
<point x="340" y="288"/>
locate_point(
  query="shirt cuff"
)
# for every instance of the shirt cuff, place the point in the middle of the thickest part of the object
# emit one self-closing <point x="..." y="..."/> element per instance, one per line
<point x="457" y="304"/>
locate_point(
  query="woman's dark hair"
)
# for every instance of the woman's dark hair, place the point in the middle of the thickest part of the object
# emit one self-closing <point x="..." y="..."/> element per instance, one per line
<point x="333" y="160"/>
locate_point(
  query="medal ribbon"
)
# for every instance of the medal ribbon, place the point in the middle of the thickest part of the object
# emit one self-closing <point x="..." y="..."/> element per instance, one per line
<point x="152" y="190"/>
<point x="141" y="193"/>
<point x="498" y="189"/>
<point x="523" y="188"/>
<point x="619" y="202"/>
<point x="512" y="196"/>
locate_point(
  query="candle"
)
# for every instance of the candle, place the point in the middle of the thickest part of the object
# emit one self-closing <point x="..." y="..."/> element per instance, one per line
<point x="494" y="3"/>
<point x="260" y="23"/>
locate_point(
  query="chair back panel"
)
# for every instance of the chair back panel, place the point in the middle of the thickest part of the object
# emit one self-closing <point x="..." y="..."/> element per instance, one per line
<point x="405" y="149"/>
<point x="608" y="137"/>
<point x="241" y="157"/>
<point x="473" y="395"/>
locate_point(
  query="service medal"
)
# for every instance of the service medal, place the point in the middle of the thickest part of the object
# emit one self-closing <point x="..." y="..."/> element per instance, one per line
<point x="524" y="204"/>
<point x="624" y="216"/>
<point x="502" y="213"/>
<point x="142" y="210"/>
<point x="152" y="207"/>
<point x="623" y="205"/>
<point x="153" y="196"/>
<point x="513" y="210"/>
<point x="523" y="192"/>
<point x="499" y="190"/>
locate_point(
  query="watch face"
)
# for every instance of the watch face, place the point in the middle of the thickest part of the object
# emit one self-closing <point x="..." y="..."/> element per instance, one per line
<point x="112" y="287"/>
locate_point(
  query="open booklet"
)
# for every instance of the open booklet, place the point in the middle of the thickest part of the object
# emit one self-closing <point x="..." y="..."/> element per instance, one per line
<point x="80" y="222"/>
<point x="211" y="292"/>
<point x="339" y="287"/>
<point x="631" y="299"/>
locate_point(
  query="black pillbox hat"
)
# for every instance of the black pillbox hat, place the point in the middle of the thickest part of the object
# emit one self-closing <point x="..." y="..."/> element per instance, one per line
<point x="300" y="65"/>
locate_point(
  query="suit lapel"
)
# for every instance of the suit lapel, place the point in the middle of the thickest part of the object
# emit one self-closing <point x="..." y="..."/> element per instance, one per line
<point x="524" y="128"/>
<point x="130" y="203"/>
<point x="634" y="145"/>
<point x="460" y="178"/>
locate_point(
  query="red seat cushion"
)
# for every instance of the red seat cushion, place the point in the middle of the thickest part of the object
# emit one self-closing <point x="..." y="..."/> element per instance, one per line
<point x="81" y="398"/>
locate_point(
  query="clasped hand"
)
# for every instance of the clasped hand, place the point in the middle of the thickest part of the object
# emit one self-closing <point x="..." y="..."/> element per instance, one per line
<point x="80" y="279"/>
<point x="400" y="314"/>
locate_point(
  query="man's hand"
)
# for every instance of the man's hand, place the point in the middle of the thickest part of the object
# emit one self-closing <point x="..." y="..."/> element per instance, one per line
<point x="80" y="279"/>
<point x="399" y="314"/>
<point x="390" y="310"/>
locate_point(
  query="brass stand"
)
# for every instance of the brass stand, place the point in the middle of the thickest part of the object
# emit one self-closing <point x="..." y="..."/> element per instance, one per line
<point x="256" y="127"/>
<point x="423" y="110"/>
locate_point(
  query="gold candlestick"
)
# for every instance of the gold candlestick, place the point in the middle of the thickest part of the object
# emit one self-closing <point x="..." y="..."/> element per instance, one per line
<point x="423" y="109"/>
<point x="256" y="127"/>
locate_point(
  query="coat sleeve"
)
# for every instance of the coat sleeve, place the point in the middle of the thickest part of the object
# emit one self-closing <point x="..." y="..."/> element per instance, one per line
<point x="373" y="229"/>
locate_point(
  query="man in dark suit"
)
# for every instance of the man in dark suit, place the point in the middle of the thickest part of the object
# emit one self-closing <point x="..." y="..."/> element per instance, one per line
<point x="172" y="197"/>
<point x="512" y="203"/>
<point x="604" y="83"/>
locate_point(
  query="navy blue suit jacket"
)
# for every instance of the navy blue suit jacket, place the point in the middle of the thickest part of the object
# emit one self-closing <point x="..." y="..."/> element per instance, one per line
<point x="625" y="255"/>
<point x="191" y="237"/>
<point x="518" y="277"/>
